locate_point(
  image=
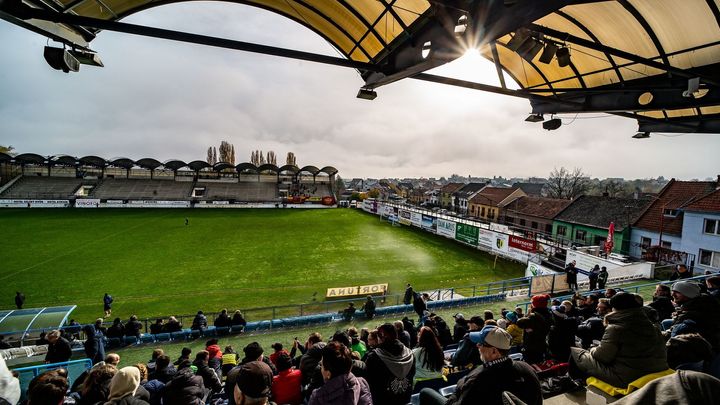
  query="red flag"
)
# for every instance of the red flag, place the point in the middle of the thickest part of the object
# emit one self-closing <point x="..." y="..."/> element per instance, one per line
<point x="609" y="242"/>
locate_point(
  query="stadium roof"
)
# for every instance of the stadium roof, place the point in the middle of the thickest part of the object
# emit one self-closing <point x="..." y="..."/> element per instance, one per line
<point x="23" y="320"/>
<point x="656" y="61"/>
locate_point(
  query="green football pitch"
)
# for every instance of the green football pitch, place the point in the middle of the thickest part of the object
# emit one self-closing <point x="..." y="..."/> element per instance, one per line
<point x="155" y="265"/>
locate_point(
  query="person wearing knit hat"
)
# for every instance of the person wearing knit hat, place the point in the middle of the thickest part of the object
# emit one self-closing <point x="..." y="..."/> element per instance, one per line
<point x="682" y="291"/>
<point x="540" y="301"/>
<point x="697" y="312"/>
<point x="515" y="331"/>
<point x="123" y="386"/>
<point x="9" y="385"/>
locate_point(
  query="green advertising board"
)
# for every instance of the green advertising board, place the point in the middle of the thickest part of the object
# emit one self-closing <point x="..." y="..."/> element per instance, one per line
<point x="467" y="233"/>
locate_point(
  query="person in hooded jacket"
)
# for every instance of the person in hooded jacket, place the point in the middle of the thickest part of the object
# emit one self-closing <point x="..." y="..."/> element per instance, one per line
<point x="286" y="385"/>
<point x="94" y="346"/>
<point x="536" y="327"/>
<point x="696" y="313"/>
<point x="185" y="388"/>
<point x="390" y="369"/>
<point x="210" y="378"/>
<point x="96" y="387"/>
<point x="215" y="356"/>
<point x="123" y="387"/>
<point x="562" y="334"/>
<point x="341" y="386"/>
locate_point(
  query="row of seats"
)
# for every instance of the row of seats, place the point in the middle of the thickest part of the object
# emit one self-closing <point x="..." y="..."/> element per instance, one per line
<point x="136" y="189"/>
<point x="246" y="191"/>
<point x="39" y="187"/>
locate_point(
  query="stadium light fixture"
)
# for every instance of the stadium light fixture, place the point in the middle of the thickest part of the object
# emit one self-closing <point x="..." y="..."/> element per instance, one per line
<point x="61" y="59"/>
<point x="552" y="124"/>
<point x="641" y="135"/>
<point x="563" y="56"/>
<point x="366" y="94"/>
<point x="530" y="48"/>
<point x="548" y="53"/>
<point x="518" y="39"/>
<point x="535" y="118"/>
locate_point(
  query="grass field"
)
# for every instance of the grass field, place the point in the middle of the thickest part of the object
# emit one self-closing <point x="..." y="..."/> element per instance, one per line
<point x="155" y="265"/>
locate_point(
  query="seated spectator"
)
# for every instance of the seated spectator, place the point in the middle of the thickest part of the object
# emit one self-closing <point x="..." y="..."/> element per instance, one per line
<point x="184" y="355"/>
<point x="99" y="328"/>
<point x="713" y="286"/>
<point x="356" y="345"/>
<point x="409" y="327"/>
<point x="9" y="385"/>
<point x="123" y="387"/>
<point x="688" y="352"/>
<point x="631" y="347"/>
<point x="215" y="356"/>
<point x="277" y="350"/>
<point x="238" y="319"/>
<point x="199" y="322"/>
<point x="502" y="322"/>
<point x="116" y="330"/>
<point x="466" y="354"/>
<point x="341" y="386"/>
<point x="157" y="327"/>
<point x="286" y="385"/>
<point x="153" y="358"/>
<point x="254" y="352"/>
<point x="172" y="325"/>
<point x="429" y="356"/>
<point x="223" y="320"/>
<point x="59" y="350"/>
<point x="349" y="312"/>
<point x="682" y="387"/>
<point x="133" y="327"/>
<point x="164" y="371"/>
<point x="210" y="378"/>
<point x="253" y="383"/>
<point x="442" y="331"/>
<point x="112" y="358"/>
<point x="369" y="307"/>
<point x="460" y="328"/>
<point x="403" y="336"/>
<point x="610" y="292"/>
<point x="593" y="328"/>
<point x="662" y="302"/>
<point x="680" y="272"/>
<point x="497" y="374"/>
<point x="48" y="388"/>
<point x="229" y="359"/>
<point x="96" y="387"/>
<point x="536" y="327"/>
<point x="141" y="392"/>
<point x="515" y="331"/>
<point x="358" y="367"/>
<point x="185" y="388"/>
<point x="390" y="368"/>
<point x="697" y="313"/>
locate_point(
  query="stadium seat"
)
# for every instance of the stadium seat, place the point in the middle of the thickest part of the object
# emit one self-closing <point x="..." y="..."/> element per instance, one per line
<point x="114" y="342"/>
<point x="447" y="391"/>
<point x="224" y="330"/>
<point x="237" y="329"/>
<point x="209" y="332"/>
<point x="130" y="340"/>
<point x="162" y="337"/>
<point x="180" y="335"/>
<point x="637" y="384"/>
<point x="147" y="338"/>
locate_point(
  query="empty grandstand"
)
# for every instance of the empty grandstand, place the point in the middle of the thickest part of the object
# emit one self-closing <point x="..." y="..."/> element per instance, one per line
<point x="256" y="191"/>
<point x="141" y="189"/>
<point x="38" y="187"/>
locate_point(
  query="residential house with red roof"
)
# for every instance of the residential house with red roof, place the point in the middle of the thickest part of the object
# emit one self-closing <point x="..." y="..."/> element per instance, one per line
<point x="446" y="194"/>
<point x="489" y="202"/>
<point x="463" y="195"/>
<point x="701" y="232"/>
<point x="661" y="225"/>
<point x="534" y="214"/>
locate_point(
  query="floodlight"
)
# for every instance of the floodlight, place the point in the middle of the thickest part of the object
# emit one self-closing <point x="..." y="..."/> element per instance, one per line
<point x="518" y="39"/>
<point x="641" y="135"/>
<point x="552" y="124"/>
<point x="366" y="94"/>
<point x="548" y="53"/>
<point x="693" y="87"/>
<point x="563" y="56"/>
<point x="61" y="59"/>
<point x="535" y="118"/>
<point x="530" y="48"/>
<point x="87" y="58"/>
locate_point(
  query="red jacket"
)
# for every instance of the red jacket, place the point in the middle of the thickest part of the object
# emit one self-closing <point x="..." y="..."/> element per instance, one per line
<point x="286" y="387"/>
<point x="214" y="351"/>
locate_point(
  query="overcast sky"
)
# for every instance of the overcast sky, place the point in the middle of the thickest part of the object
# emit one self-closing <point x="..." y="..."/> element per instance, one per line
<point x="162" y="99"/>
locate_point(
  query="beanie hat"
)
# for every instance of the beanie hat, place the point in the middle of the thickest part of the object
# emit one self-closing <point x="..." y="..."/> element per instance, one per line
<point x="559" y="311"/>
<point x="253" y="351"/>
<point x="540" y="301"/>
<point x="624" y="300"/>
<point x="255" y="379"/>
<point x="283" y="362"/>
<point x="512" y="317"/>
<point x="687" y="288"/>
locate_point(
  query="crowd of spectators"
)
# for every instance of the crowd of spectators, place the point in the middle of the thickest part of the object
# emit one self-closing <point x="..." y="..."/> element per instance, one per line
<point x="615" y="337"/>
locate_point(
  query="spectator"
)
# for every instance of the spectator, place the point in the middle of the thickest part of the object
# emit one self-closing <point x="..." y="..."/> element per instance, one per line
<point x="442" y="331"/>
<point x="602" y="277"/>
<point x="185" y="388"/>
<point x="96" y="387"/>
<point x="460" y="328"/>
<point x="562" y="334"/>
<point x="682" y="387"/>
<point x="59" y="350"/>
<point x="172" y="325"/>
<point x="19" y="299"/>
<point x="199" y="322"/>
<point x="502" y="322"/>
<point x="409" y="327"/>
<point x="689" y="352"/>
<point x="349" y="312"/>
<point x="610" y="292"/>
<point x="498" y="374"/>
<point x="286" y="385"/>
<point x="713" y="286"/>
<point x="164" y="371"/>
<point x="238" y="319"/>
<point x="402" y="334"/>
<point x="116" y="330"/>
<point x="215" y="357"/>
<point x="184" y="355"/>
<point x="593" y="328"/>
<point x="141" y="392"/>
<point x="429" y="356"/>
<point x="680" y="272"/>
<point x="9" y="385"/>
<point x="536" y="327"/>
<point x="593" y="277"/>
<point x="229" y="359"/>
<point x="390" y="369"/>
<point x="341" y="386"/>
<point x="466" y="354"/>
<point x="571" y="276"/>
<point x="420" y="306"/>
<point x="112" y="358"/>
<point x="698" y="313"/>
<point x="123" y="387"/>
<point x="356" y="345"/>
<point x="153" y="358"/>
<point x="94" y="346"/>
<point x="47" y="388"/>
<point x="99" y="328"/>
<point x="409" y="294"/>
<point x="631" y="346"/>
<point x="254" y="352"/>
<point x="133" y="327"/>
<point x="223" y="320"/>
<point x="515" y="331"/>
<point x="210" y="378"/>
<point x="277" y="350"/>
<point x="157" y="327"/>
<point x="253" y="383"/>
<point x="662" y="302"/>
<point x="107" y="304"/>
<point x="369" y="307"/>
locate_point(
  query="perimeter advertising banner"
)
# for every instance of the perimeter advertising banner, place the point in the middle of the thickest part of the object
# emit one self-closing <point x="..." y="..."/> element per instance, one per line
<point x="428" y="222"/>
<point x="405" y="217"/>
<point x="501" y="244"/>
<point x="446" y="228"/>
<point x="486" y="239"/>
<point x="518" y="242"/>
<point x="388" y="211"/>
<point x="370" y="206"/>
<point x="87" y="203"/>
<point x="416" y="219"/>
<point x="467" y="233"/>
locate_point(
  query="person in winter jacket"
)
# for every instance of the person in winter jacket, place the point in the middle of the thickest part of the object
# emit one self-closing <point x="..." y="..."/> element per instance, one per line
<point x="286" y="385"/>
<point x="341" y="386"/>
<point x="662" y="302"/>
<point x="123" y="386"/>
<point x="199" y="322"/>
<point x="185" y="388"/>
<point x="210" y="378"/>
<point x="466" y="353"/>
<point x="536" y="327"/>
<point x="94" y="346"/>
<point x="96" y="387"/>
<point x="253" y="383"/>
<point x="390" y="369"/>
<point x="133" y="327"/>
<point x="215" y="356"/>
<point x="58" y="348"/>
<point x="164" y="371"/>
<point x="369" y="307"/>
<point x="116" y="330"/>
<point x="562" y="334"/>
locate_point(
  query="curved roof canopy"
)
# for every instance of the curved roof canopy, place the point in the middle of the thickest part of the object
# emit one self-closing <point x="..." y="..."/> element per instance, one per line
<point x="4" y="157"/>
<point x="149" y="163"/>
<point x="95" y="161"/>
<point x="125" y="163"/>
<point x="289" y="168"/>
<point x="329" y="170"/>
<point x="246" y="167"/>
<point x="267" y="167"/>
<point x="197" y="165"/>
<point x="174" y="164"/>
<point x="657" y="61"/>
<point x="220" y="166"/>
<point x="30" y="158"/>
<point x="64" y="160"/>
<point x="310" y="169"/>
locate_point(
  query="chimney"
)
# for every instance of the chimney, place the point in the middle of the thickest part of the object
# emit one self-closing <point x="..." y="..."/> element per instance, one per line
<point x="717" y="186"/>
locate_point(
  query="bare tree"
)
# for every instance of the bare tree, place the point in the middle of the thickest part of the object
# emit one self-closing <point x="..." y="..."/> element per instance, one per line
<point x="565" y="184"/>
<point x="226" y="152"/>
<point x="214" y="156"/>
<point x="232" y="153"/>
<point x="209" y="155"/>
<point x="290" y="159"/>
<point x="271" y="159"/>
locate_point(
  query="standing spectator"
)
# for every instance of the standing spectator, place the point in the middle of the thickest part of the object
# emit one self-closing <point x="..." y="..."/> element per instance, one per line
<point x="253" y="383"/>
<point x="420" y="306"/>
<point x="19" y="299"/>
<point x="593" y="277"/>
<point x="571" y="276"/>
<point x="536" y="327"/>
<point x="286" y="385"/>
<point x="94" y="346"/>
<point x="498" y="374"/>
<point x="199" y="322"/>
<point x="59" y="350"/>
<point x="602" y="277"/>
<point x="107" y="304"/>
<point x="369" y="307"/>
<point x="341" y="386"/>
<point x="390" y="369"/>
<point x="429" y="356"/>
<point x="409" y="294"/>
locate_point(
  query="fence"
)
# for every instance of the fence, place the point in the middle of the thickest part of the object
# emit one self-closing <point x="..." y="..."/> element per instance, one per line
<point x="74" y="369"/>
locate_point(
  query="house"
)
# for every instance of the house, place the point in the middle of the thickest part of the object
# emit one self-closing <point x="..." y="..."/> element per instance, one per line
<point x="432" y="197"/>
<point x="446" y="194"/>
<point x="661" y="224"/>
<point x="586" y="220"/>
<point x="534" y="214"/>
<point x="462" y="196"/>
<point x="701" y="232"/>
<point x="489" y="202"/>
<point x="530" y="189"/>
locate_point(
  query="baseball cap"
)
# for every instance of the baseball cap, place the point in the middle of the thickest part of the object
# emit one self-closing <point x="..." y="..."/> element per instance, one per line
<point x="254" y="379"/>
<point x="493" y="336"/>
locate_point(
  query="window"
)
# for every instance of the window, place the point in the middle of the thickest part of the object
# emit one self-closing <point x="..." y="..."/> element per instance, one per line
<point x="669" y="212"/>
<point x="533" y="225"/>
<point x="482" y="212"/>
<point x="522" y="222"/>
<point x="561" y="230"/>
<point x="548" y="228"/>
<point x="666" y="244"/>
<point x="710" y="258"/>
<point x="599" y="240"/>
<point x="645" y="242"/>
<point x="509" y="220"/>
<point x="712" y="226"/>
<point x="580" y="234"/>
<point x="491" y="214"/>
